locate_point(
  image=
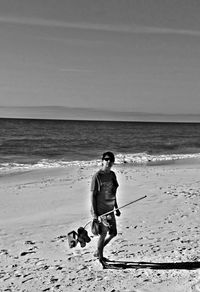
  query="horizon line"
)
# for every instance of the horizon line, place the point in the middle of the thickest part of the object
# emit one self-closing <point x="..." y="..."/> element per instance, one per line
<point x="100" y="110"/>
<point x="103" y="120"/>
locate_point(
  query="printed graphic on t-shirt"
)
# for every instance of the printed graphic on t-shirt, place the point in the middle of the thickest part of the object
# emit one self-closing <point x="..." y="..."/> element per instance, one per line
<point x="107" y="189"/>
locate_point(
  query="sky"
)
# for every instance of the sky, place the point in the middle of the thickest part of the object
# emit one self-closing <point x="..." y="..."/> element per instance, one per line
<point x="140" y="56"/>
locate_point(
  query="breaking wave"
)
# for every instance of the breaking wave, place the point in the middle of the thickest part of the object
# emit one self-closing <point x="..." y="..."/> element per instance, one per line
<point x="120" y="159"/>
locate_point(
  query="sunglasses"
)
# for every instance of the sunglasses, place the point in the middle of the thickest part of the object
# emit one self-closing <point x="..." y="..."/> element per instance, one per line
<point x="108" y="159"/>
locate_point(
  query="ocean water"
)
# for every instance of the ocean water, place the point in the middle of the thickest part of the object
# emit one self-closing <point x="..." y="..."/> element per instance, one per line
<point x="32" y="144"/>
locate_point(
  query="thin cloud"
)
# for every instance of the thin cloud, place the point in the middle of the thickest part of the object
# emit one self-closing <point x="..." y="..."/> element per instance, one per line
<point x="158" y="30"/>
<point x="133" y="28"/>
<point x="76" y="70"/>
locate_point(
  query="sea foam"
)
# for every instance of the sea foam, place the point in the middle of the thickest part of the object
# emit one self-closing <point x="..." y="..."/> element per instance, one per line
<point x="120" y="159"/>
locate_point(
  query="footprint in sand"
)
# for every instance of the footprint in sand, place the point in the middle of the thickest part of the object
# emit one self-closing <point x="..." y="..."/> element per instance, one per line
<point x="3" y="252"/>
<point x="23" y="253"/>
<point x="60" y="238"/>
<point x="196" y="287"/>
<point x="29" y="242"/>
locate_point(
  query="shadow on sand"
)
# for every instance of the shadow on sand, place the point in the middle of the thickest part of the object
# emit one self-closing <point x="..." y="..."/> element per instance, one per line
<point x="149" y="265"/>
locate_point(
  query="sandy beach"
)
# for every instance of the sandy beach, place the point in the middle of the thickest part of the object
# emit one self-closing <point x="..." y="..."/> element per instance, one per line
<point x="38" y="208"/>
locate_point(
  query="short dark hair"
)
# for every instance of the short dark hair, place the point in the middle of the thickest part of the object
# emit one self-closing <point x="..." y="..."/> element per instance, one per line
<point x="110" y="155"/>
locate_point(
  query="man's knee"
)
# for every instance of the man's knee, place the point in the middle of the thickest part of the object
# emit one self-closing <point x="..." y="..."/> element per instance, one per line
<point x="104" y="231"/>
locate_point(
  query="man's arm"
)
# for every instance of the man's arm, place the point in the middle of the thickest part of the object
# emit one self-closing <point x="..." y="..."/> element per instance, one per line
<point x="116" y="205"/>
<point x="94" y="190"/>
<point x="94" y="204"/>
<point x="118" y="213"/>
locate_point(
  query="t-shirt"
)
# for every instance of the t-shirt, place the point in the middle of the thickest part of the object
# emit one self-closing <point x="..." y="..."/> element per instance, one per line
<point x="104" y="185"/>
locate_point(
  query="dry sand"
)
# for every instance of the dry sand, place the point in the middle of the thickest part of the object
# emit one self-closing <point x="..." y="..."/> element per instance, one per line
<point x="39" y="208"/>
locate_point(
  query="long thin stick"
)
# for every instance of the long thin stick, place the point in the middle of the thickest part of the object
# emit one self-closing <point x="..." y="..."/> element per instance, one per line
<point x="123" y="206"/>
<point x="118" y="208"/>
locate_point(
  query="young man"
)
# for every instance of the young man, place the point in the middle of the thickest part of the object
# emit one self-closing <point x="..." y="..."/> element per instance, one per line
<point x="103" y="198"/>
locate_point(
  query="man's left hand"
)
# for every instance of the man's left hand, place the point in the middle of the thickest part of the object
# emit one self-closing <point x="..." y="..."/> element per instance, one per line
<point x="118" y="213"/>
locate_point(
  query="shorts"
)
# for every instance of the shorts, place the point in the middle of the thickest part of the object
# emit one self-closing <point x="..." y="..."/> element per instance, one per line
<point x="109" y="225"/>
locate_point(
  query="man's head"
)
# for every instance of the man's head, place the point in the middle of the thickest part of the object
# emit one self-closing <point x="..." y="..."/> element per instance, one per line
<point x="108" y="159"/>
<point x="108" y="156"/>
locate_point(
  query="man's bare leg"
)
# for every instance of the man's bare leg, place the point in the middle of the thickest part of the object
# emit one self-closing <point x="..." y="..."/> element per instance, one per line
<point x="109" y="238"/>
<point x="100" y="246"/>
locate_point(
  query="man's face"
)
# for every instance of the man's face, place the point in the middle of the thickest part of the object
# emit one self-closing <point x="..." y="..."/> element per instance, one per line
<point x="108" y="162"/>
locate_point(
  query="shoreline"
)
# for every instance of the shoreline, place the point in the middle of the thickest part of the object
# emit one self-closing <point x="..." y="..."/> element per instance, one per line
<point x="39" y="208"/>
<point x="135" y="159"/>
